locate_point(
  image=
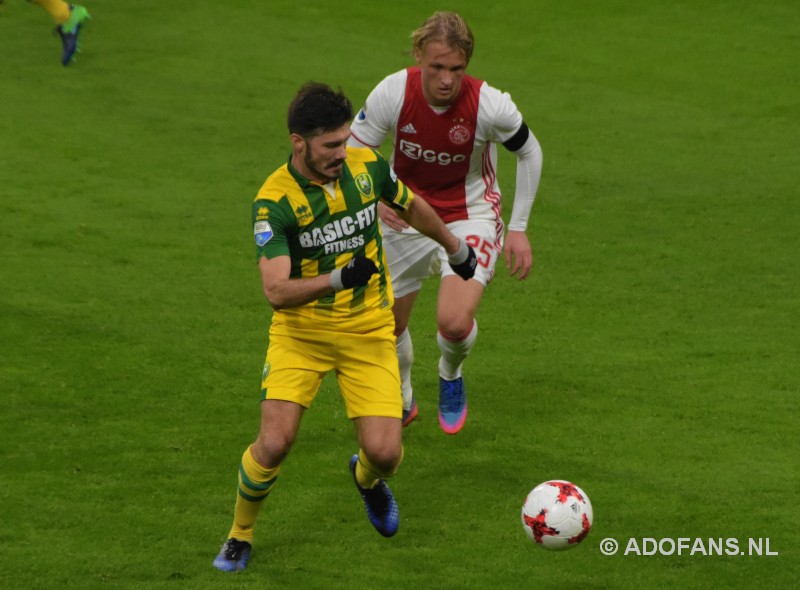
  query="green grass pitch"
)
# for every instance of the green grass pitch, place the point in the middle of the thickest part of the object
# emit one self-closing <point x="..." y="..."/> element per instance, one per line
<point x="652" y="356"/>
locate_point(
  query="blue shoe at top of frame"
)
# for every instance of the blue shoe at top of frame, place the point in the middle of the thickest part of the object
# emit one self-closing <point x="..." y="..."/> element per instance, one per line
<point x="69" y="32"/>
<point x="382" y="509"/>
<point x="233" y="556"/>
<point x="452" y="405"/>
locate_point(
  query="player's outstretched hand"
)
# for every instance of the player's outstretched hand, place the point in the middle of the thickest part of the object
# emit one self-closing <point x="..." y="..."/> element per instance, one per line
<point x="390" y="218"/>
<point x="464" y="261"/>
<point x="356" y="274"/>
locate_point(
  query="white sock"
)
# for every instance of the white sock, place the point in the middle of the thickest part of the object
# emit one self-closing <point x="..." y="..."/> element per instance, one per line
<point x="454" y="352"/>
<point x="405" y="358"/>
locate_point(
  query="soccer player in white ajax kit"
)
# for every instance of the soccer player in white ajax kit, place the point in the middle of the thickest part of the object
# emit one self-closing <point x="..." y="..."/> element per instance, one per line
<point x="445" y="127"/>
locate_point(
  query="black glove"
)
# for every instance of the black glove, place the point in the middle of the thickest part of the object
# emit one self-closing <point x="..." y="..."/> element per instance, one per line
<point x="464" y="261"/>
<point x="356" y="274"/>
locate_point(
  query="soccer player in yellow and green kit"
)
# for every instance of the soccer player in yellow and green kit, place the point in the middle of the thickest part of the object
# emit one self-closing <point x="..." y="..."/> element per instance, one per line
<point x="323" y="271"/>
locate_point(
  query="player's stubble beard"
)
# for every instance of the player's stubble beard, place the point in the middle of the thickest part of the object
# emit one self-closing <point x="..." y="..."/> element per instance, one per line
<point x="323" y="174"/>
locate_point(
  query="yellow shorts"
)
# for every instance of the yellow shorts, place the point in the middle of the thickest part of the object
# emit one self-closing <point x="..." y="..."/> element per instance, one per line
<point x="365" y="365"/>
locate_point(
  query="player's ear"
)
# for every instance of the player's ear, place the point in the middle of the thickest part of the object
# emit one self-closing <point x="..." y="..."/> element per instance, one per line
<point x="298" y="142"/>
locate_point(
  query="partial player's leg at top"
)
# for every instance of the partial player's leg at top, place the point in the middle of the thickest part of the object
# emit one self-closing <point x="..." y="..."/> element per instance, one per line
<point x="69" y="31"/>
<point x="69" y="19"/>
<point x="379" y="501"/>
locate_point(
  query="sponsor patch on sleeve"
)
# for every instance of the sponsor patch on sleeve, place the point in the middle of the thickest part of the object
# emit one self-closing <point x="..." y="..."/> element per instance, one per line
<point x="263" y="232"/>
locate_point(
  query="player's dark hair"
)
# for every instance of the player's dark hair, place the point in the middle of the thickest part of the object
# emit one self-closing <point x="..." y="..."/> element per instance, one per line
<point x="318" y="108"/>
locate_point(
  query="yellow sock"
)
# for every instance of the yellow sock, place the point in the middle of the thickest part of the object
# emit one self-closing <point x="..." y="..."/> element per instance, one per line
<point x="255" y="483"/>
<point x="368" y="475"/>
<point x="58" y="9"/>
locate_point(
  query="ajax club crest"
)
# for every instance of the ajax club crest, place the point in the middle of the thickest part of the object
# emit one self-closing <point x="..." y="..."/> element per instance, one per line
<point x="459" y="134"/>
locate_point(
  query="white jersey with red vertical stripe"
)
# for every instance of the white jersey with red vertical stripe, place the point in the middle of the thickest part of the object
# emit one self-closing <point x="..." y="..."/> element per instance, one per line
<point x="446" y="155"/>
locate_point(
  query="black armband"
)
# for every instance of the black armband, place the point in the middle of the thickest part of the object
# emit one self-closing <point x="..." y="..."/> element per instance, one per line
<point x="393" y="205"/>
<point x="518" y="139"/>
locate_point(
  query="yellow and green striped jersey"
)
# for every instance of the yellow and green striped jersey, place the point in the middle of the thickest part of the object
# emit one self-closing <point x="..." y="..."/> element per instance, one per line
<point x="321" y="230"/>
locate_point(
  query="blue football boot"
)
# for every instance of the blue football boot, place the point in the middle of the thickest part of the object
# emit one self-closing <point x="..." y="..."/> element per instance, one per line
<point x="381" y="507"/>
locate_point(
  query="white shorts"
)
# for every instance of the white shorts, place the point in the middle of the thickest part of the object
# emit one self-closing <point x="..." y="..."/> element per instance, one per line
<point x="413" y="257"/>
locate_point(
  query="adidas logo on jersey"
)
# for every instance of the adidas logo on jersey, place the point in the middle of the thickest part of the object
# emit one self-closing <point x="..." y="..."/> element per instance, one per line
<point x="408" y="128"/>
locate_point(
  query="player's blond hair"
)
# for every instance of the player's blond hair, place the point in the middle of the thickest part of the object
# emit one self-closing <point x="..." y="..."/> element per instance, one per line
<point x="448" y="27"/>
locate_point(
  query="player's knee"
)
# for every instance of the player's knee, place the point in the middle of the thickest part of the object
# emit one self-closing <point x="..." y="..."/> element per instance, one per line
<point x="385" y="457"/>
<point x="454" y="326"/>
<point x="271" y="449"/>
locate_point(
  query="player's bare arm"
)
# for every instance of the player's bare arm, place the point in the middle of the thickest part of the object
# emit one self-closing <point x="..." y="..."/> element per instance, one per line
<point x="282" y="291"/>
<point x="390" y="217"/>
<point x="424" y="219"/>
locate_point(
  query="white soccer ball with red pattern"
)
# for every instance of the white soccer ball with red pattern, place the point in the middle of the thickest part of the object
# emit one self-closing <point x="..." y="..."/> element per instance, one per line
<point x="557" y="515"/>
